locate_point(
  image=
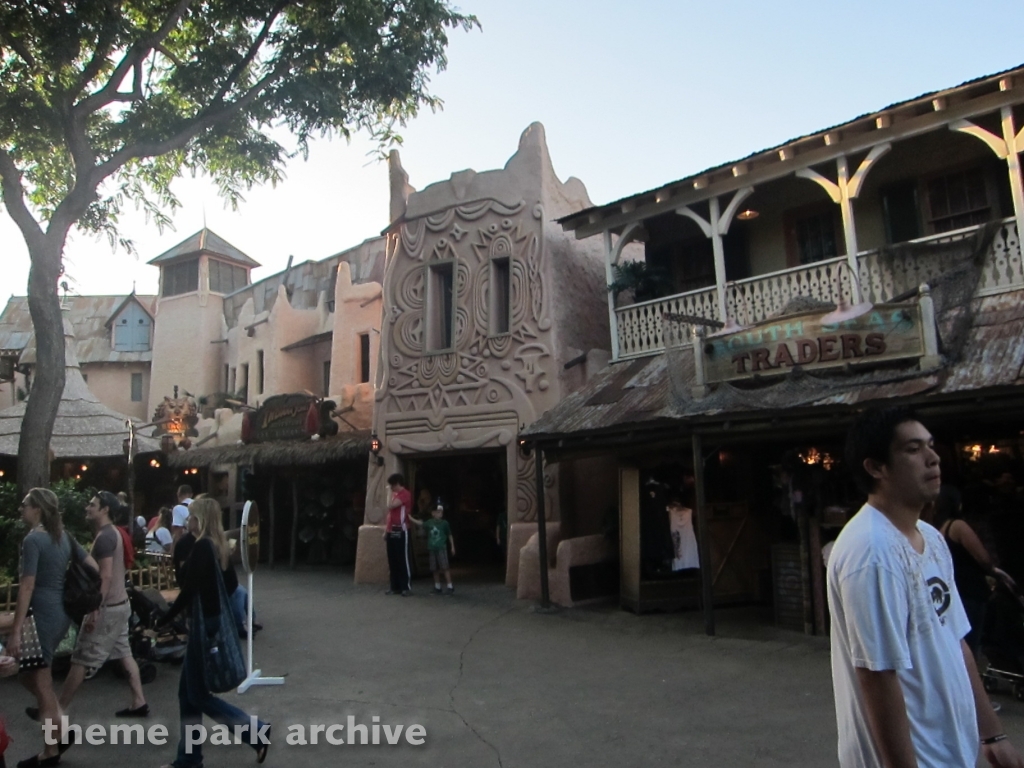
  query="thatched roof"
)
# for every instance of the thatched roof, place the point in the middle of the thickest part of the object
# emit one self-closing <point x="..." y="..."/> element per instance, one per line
<point x="85" y="428"/>
<point x="348" y="446"/>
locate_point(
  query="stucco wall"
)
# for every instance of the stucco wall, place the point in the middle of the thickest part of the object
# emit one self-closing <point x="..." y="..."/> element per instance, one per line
<point x="111" y="383"/>
<point x="183" y="354"/>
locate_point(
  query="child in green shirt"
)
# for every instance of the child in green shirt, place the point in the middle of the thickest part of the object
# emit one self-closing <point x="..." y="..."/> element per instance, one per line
<point x="439" y="536"/>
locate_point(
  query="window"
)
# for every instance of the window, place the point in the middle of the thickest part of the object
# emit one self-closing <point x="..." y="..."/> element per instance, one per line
<point x="136" y="387"/>
<point x="816" y="237"/>
<point x="259" y="371"/>
<point x="501" y="288"/>
<point x="364" y="357"/>
<point x="245" y="383"/>
<point x="225" y="278"/>
<point x="440" y="306"/>
<point x="327" y="378"/>
<point x="899" y="204"/>
<point x="181" y="278"/>
<point x="957" y="200"/>
<point x="231" y="383"/>
<point x="227" y="379"/>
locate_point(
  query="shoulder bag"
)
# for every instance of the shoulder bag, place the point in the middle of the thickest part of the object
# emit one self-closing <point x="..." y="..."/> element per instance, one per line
<point x="82" y="585"/>
<point x="223" y="665"/>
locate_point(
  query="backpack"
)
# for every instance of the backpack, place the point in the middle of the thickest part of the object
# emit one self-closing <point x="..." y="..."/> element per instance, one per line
<point x="129" y="547"/>
<point x="82" y="585"/>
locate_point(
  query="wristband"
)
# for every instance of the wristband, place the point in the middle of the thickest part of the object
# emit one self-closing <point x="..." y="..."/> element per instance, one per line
<point x="994" y="739"/>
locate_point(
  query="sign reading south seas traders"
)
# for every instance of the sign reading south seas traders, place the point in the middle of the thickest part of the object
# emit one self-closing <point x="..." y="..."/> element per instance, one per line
<point x="885" y="333"/>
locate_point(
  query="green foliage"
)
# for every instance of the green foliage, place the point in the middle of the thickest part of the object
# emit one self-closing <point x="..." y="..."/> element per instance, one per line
<point x="646" y="282"/>
<point x="12" y="530"/>
<point x="104" y="104"/>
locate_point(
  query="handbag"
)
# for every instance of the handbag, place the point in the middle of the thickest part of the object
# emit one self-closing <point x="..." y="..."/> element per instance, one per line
<point x="223" y="665"/>
<point x="82" y="585"/>
<point x="31" y="654"/>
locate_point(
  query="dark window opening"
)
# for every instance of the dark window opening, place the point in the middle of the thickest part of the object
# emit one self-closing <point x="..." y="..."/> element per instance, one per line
<point x="327" y="378"/>
<point x="259" y="372"/>
<point x="900" y="207"/>
<point x="244" y="394"/>
<point x="136" y="387"/>
<point x="440" y="306"/>
<point x="181" y="278"/>
<point x="816" y="238"/>
<point x="501" y="295"/>
<point x="364" y="357"/>
<point x="958" y="200"/>
<point x="226" y="278"/>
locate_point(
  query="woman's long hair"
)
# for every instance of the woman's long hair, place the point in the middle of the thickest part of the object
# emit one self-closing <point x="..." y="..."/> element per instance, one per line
<point x="165" y="517"/>
<point x="209" y="526"/>
<point x="46" y="502"/>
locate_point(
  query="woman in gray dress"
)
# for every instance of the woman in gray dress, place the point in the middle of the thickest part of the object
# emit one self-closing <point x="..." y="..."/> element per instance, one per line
<point x="45" y="553"/>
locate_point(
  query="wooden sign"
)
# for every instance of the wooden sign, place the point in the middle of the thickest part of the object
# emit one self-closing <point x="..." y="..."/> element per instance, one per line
<point x="289" y="417"/>
<point x="249" y="538"/>
<point x="885" y="333"/>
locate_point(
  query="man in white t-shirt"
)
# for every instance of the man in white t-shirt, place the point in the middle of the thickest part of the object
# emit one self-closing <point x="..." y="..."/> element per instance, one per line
<point x="179" y="515"/>
<point x="908" y="694"/>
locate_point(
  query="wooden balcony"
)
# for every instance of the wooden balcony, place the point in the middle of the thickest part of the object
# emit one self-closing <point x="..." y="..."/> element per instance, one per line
<point x="754" y="299"/>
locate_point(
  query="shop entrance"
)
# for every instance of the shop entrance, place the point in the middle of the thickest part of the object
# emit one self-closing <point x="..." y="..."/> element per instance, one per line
<point x="472" y="490"/>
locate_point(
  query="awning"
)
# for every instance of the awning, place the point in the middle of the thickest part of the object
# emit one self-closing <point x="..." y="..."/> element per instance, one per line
<point x="309" y="341"/>
<point x="285" y="453"/>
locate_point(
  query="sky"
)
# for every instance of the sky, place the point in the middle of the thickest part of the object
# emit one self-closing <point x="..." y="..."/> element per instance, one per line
<point x="632" y="96"/>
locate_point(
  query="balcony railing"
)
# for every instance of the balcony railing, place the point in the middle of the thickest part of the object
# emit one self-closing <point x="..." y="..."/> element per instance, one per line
<point x="641" y="331"/>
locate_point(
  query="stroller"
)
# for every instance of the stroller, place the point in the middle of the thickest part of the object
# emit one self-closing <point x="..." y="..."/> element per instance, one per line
<point x="148" y="643"/>
<point x="1003" y="642"/>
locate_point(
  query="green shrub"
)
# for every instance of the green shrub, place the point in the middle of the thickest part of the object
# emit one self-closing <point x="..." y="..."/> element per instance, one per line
<point x="72" y="504"/>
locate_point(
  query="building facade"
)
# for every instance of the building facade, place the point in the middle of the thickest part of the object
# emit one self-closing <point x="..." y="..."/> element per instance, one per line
<point x="491" y="315"/>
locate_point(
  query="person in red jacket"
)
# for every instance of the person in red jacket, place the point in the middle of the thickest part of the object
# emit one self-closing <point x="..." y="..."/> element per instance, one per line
<point x="396" y="536"/>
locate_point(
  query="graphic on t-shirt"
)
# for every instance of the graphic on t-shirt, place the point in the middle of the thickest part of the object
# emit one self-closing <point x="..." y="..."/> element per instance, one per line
<point x="940" y="595"/>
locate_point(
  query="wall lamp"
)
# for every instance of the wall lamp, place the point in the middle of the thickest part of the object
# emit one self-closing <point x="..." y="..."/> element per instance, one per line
<point x="375" y="449"/>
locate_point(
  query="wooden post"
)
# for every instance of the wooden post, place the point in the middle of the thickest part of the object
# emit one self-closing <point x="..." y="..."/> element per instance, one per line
<point x="295" y="522"/>
<point x="704" y="540"/>
<point x="270" y="515"/>
<point x="718" y="249"/>
<point x="613" y="319"/>
<point x="1013" y="166"/>
<point x="542" y="530"/>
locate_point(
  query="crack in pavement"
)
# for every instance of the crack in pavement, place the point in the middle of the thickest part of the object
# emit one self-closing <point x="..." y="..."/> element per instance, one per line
<point x="458" y="682"/>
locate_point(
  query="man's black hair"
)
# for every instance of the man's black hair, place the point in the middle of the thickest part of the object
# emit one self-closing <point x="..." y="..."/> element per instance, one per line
<point x="111" y="502"/>
<point x="870" y="437"/>
<point x="396" y="478"/>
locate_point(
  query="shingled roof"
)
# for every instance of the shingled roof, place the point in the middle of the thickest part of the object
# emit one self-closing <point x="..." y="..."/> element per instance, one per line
<point x="205" y="241"/>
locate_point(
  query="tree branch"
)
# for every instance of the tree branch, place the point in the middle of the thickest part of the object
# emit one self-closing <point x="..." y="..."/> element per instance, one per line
<point x="207" y="118"/>
<point x="110" y="92"/>
<point x="17" y="46"/>
<point x="254" y="49"/>
<point x="14" y="200"/>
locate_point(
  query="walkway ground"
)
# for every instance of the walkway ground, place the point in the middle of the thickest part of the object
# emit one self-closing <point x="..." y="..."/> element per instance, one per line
<point x="495" y="683"/>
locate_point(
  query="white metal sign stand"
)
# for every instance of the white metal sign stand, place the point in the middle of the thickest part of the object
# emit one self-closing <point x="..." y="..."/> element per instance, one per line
<point x="249" y="542"/>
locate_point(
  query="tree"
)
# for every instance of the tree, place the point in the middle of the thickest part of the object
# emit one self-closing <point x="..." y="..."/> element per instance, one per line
<point x="106" y="102"/>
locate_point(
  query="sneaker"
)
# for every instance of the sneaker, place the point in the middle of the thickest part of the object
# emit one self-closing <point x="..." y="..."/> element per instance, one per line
<point x="406" y="592"/>
<point x="450" y="590"/>
<point x="391" y="592"/>
<point x="437" y="590"/>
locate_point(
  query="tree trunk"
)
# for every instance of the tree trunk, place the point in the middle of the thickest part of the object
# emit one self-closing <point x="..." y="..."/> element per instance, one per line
<point x="48" y="377"/>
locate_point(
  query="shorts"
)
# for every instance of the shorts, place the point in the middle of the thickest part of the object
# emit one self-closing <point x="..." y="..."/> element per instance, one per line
<point x="108" y="640"/>
<point x="438" y="559"/>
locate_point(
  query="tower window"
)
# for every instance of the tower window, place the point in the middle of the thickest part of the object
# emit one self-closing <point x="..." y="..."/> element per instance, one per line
<point x="440" y="306"/>
<point x="364" y="357"/>
<point x="181" y="278"/>
<point x="501" y="304"/>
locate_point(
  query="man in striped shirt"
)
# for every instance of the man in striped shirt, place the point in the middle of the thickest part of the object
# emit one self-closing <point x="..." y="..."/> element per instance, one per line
<point x="396" y="536"/>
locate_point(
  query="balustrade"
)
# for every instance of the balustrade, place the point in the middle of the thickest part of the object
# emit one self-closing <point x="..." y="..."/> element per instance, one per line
<point x="881" y="278"/>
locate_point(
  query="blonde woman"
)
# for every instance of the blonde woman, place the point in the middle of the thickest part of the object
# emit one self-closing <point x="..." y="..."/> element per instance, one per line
<point x="45" y="553"/>
<point x="201" y="573"/>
